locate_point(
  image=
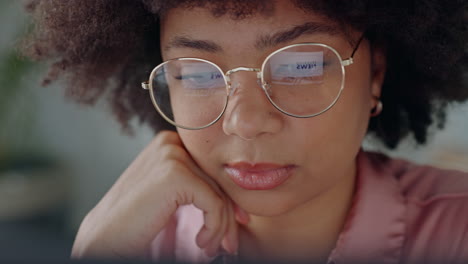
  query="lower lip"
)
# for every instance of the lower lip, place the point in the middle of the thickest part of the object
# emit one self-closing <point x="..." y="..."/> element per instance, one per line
<point x="259" y="180"/>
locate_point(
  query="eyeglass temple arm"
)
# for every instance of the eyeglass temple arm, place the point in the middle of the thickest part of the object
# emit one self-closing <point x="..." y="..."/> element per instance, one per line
<point x="145" y="85"/>
<point x="350" y="60"/>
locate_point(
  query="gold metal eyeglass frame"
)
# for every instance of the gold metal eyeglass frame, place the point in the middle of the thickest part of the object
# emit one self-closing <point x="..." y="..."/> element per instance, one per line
<point x="147" y="85"/>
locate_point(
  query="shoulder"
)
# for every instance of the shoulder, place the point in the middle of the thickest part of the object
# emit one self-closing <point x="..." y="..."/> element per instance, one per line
<point x="424" y="184"/>
<point x="436" y="207"/>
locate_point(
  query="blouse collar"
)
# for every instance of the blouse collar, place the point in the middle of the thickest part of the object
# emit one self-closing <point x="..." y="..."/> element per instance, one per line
<point x="374" y="231"/>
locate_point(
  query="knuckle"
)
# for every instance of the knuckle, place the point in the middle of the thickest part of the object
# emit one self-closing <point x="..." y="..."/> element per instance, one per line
<point x="171" y="167"/>
<point x="178" y="152"/>
<point x="177" y="167"/>
<point x="164" y="151"/>
<point x="166" y="136"/>
<point x="171" y="152"/>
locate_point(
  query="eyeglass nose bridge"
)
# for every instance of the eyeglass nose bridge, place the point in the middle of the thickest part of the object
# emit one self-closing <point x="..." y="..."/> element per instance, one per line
<point x="238" y="69"/>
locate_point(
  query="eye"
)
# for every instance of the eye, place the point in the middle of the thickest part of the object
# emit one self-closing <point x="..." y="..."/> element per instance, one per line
<point x="200" y="80"/>
<point x="192" y="77"/>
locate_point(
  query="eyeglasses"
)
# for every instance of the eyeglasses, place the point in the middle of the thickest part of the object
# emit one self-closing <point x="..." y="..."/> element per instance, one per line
<point x="300" y="80"/>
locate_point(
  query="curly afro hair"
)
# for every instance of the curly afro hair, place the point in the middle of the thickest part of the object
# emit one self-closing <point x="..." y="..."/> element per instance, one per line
<point x="108" y="46"/>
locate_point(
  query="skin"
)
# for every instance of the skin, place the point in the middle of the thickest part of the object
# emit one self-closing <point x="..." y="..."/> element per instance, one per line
<point x="298" y="220"/>
<point x="312" y="205"/>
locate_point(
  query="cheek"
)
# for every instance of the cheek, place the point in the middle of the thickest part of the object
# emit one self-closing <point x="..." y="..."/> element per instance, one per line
<point x="353" y="108"/>
<point x="195" y="140"/>
<point x="200" y="145"/>
<point x="339" y="132"/>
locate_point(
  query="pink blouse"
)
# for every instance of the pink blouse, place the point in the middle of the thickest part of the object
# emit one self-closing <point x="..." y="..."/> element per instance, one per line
<point x="401" y="213"/>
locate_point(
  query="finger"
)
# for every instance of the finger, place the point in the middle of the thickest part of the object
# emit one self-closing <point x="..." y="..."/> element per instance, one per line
<point x="210" y="229"/>
<point x="212" y="206"/>
<point x="206" y="198"/>
<point x="215" y="243"/>
<point x="231" y="238"/>
<point x="200" y="173"/>
<point x="167" y="137"/>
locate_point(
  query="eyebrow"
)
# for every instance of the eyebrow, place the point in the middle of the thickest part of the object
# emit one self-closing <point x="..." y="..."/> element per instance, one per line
<point x="309" y="28"/>
<point x="186" y="42"/>
<point x="263" y="42"/>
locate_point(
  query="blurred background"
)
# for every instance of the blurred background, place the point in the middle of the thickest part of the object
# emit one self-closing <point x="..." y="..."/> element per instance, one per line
<point x="57" y="158"/>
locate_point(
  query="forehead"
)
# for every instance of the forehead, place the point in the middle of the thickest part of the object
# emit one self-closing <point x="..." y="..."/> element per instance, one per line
<point x="263" y="22"/>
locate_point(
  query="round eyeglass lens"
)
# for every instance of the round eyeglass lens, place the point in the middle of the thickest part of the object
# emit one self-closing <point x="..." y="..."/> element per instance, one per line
<point x="304" y="80"/>
<point x="189" y="93"/>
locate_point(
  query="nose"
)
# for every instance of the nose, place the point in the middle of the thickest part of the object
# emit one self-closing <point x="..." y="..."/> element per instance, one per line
<point x="249" y="114"/>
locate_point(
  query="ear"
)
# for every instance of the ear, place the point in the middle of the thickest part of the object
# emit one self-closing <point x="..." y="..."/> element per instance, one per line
<point x="379" y="67"/>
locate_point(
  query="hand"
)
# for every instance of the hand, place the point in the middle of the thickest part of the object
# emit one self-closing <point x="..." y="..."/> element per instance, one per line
<point x="141" y="202"/>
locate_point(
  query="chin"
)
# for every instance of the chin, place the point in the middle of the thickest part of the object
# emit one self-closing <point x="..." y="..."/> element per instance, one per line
<point x="262" y="204"/>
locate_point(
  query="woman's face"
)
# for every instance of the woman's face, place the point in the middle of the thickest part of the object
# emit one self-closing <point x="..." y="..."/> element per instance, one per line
<point x="308" y="157"/>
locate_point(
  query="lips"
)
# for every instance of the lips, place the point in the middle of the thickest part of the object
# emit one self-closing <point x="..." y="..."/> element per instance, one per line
<point x="258" y="176"/>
